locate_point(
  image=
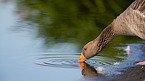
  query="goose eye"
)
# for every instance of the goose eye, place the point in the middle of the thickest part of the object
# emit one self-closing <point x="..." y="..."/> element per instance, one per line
<point x="85" y="49"/>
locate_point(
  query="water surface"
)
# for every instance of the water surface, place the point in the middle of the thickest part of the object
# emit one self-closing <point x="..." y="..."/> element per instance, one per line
<point x="41" y="42"/>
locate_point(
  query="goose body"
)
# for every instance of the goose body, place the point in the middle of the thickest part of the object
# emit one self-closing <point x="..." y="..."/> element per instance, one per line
<point x="131" y="22"/>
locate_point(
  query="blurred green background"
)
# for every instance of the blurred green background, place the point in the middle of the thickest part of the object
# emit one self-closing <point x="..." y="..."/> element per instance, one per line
<point x="78" y="21"/>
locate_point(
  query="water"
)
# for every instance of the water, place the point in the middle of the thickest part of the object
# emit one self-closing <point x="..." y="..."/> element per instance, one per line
<point x="34" y="48"/>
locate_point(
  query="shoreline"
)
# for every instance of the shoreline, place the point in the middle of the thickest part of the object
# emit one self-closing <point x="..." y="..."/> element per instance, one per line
<point x="136" y="73"/>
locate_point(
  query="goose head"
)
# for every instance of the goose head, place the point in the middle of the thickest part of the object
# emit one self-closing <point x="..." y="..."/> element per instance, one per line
<point x="91" y="49"/>
<point x="95" y="46"/>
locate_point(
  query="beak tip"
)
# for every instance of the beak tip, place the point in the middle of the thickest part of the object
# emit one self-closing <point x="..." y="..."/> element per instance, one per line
<point x="82" y="59"/>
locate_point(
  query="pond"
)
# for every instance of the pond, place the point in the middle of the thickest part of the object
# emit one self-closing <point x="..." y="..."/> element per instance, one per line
<point x="41" y="40"/>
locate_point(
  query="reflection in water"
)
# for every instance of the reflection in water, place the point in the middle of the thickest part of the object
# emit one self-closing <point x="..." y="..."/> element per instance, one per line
<point x="127" y="49"/>
<point x="88" y="71"/>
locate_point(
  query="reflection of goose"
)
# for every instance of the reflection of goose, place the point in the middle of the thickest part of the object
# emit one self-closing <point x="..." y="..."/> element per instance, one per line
<point x="130" y="22"/>
<point x="88" y="71"/>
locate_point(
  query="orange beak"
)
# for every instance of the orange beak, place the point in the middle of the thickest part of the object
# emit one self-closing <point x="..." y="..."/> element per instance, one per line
<point x="82" y="58"/>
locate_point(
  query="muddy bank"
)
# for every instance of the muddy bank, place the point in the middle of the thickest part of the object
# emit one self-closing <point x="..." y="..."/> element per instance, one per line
<point x="132" y="74"/>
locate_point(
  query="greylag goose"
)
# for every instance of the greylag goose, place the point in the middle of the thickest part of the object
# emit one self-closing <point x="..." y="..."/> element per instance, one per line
<point x="131" y="22"/>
